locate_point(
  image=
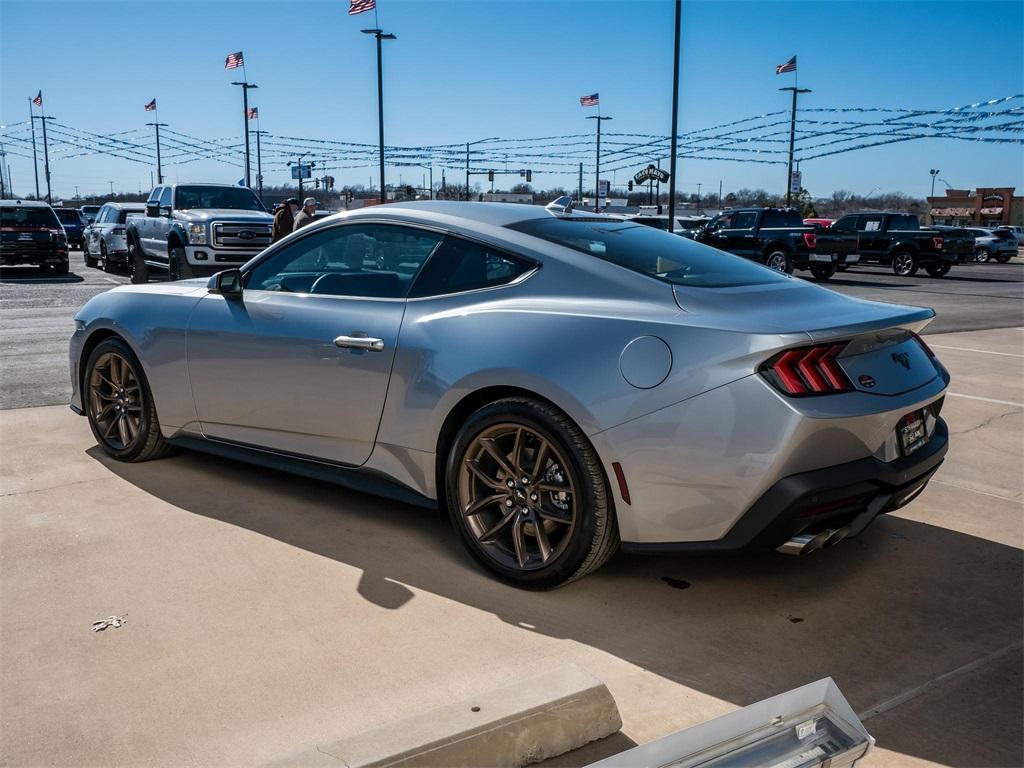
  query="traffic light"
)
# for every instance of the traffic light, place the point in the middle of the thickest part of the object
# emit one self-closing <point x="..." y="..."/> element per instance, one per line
<point x="490" y="175"/>
<point x="409" y="191"/>
<point x="529" y="176"/>
<point x="629" y="185"/>
<point x="330" y="182"/>
<point x="316" y="182"/>
<point x="349" y="196"/>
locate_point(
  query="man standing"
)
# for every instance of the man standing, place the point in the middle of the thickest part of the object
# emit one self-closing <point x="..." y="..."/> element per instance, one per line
<point x="284" y="219"/>
<point x="305" y="216"/>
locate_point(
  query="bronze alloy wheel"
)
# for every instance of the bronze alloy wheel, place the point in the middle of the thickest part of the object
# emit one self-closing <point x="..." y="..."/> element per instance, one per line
<point x="115" y="401"/>
<point x="517" y="495"/>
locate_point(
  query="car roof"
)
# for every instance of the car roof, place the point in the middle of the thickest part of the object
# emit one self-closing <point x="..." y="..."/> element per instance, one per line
<point x="25" y="203"/>
<point x="130" y="206"/>
<point x="494" y="214"/>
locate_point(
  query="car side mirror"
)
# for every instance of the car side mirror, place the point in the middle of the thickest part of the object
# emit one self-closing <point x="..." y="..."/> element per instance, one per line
<point x="227" y="283"/>
<point x="152" y="209"/>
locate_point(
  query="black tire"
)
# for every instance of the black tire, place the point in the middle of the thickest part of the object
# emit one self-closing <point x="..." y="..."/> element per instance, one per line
<point x="822" y="272"/>
<point x="904" y="263"/>
<point x="982" y="255"/>
<point x="779" y="260"/>
<point x="938" y="269"/>
<point x="108" y="267"/>
<point x="178" y="267"/>
<point x="591" y="538"/>
<point x="147" y="442"/>
<point x="138" y="269"/>
<point x="90" y="261"/>
<point x="842" y="267"/>
<point x="1003" y="258"/>
<point x="60" y="268"/>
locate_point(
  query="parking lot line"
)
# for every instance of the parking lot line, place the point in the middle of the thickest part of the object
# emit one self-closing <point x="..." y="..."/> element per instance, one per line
<point x="970" y="349"/>
<point x="985" y="399"/>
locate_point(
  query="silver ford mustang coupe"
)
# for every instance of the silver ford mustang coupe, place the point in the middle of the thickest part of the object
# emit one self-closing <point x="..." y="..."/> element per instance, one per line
<point x="562" y="383"/>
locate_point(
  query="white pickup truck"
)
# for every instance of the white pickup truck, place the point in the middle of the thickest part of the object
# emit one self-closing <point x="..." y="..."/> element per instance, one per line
<point x="194" y="230"/>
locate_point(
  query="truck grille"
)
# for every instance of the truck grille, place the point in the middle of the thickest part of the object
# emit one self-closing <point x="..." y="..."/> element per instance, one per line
<point x="251" y="237"/>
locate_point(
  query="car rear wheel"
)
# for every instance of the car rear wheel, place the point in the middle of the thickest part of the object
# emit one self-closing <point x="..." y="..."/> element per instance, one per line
<point x="138" y="269"/>
<point x="527" y="494"/>
<point x="904" y="264"/>
<point x="779" y="261"/>
<point x="982" y="255"/>
<point x="119" y="404"/>
<point x="1003" y="258"/>
<point x="939" y="269"/>
<point x="823" y="271"/>
<point x="61" y="267"/>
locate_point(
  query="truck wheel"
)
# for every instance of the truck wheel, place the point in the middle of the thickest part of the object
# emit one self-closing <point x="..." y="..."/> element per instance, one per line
<point x="823" y="271"/>
<point x="904" y="264"/>
<point x="178" y="267"/>
<point x="779" y="261"/>
<point x="939" y="269"/>
<point x="138" y="270"/>
<point x="982" y="255"/>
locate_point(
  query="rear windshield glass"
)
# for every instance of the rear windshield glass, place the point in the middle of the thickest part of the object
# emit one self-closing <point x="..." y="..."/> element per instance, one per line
<point x="67" y="216"/>
<point x="27" y="217"/>
<point x="660" y="255"/>
<point x="238" y="198"/>
<point x="123" y="214"/>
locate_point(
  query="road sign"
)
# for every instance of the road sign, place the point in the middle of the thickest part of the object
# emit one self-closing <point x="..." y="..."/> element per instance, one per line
<point x="651" y="172"/>
<point x="302" y="171"/>
<point x="795" y="182"/>
<point x="602" y="188"/>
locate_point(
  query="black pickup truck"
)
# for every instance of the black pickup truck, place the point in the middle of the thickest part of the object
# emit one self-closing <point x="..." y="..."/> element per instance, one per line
<point x="778" y="238"/>
<point x="897" y="240"/>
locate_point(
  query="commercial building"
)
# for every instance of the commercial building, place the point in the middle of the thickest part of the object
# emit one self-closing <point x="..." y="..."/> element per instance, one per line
<point x="985" y="207"/>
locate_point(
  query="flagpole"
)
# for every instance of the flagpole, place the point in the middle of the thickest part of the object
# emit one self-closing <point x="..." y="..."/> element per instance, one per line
<point x="46" y="154"/>
<point x="35" y="159"/>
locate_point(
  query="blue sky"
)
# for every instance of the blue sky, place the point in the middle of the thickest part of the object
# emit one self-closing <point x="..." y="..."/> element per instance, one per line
<point x="478" y="68"/>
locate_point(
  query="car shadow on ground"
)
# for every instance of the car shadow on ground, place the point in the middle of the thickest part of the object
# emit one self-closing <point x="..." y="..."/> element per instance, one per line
<point x="882" y="614"/>
<point x="36" y="275"/>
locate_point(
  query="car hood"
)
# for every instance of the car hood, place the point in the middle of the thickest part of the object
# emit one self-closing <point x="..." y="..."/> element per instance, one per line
<point x="796" y="306"/>
<point x="209" y="214"/>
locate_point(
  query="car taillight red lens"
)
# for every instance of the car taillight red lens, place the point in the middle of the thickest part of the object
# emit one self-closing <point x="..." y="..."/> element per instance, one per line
<point x="808" y="370"/>
<point x="937" y="242"/>
<point x="810" y="239"/>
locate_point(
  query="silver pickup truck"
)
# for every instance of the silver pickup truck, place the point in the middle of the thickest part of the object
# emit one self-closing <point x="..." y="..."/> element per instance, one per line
<point x="194" y="230"/>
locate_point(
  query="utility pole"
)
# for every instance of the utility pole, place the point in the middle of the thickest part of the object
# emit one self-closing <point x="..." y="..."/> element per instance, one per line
<point x="245" y="118"/>
<point x="579" y="198"/>
<point x="792" y="135"/>
<point x="159" y="169"/>
<point x="259" y="165"/>
<point x="720" y="195"/>
<point x="380" y="35"/>
<point x="35" y="161"/>
<point x="111" y="188"/>
<point x="467" y="171"/>
<point x="675" y="121"/>
<point x="46" y="158"/>
<point x="597" y="163"/>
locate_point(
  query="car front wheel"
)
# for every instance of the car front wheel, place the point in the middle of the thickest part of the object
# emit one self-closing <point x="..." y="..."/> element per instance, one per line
<point x="527" y="494"/>
<point x="982" y="255"/>
<point x="120" y="405"/>
<point x="178" y="267"/>
<point x="138" y="269"/>
<point x="90" y="260"/>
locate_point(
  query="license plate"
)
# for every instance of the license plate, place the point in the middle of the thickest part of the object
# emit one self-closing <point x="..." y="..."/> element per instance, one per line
<point x="911" y="431"/>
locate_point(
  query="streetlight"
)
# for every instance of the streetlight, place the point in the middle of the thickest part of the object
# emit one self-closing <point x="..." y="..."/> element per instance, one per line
<point x="245" y="117"/>
<point x="468" y="145"/>
<point x="380" y="35"/>
<point x="597" y="164"/>
<point x="792" y="136"/>
<point x="159" y="170"/>
<point x="298" y="163"/>
<point x="675" y="123"/>
<point x="111" y="188"/>
<point x="431" y="169"/>
<point x="933" y="172"/>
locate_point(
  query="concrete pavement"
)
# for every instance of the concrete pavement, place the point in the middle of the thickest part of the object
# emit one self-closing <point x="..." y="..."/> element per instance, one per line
<point x="267" y="613"/>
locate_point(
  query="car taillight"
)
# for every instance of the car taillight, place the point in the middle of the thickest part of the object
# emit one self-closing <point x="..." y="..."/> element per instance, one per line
<point x="937" y="242"/>
<point x="117" y="231"/>
<point x="810" y="239"/>
<point x="808" y="370"/>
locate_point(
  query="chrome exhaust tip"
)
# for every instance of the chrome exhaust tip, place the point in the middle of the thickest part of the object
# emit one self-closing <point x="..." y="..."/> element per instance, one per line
<point x="836" y="536"/>
<point x="805" y="543"/>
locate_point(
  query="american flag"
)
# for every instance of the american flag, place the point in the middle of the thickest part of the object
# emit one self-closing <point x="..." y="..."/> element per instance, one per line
<point x="789" y="66"/>
<point x="38" y="100"/>
<point x="359" y="6"/>
<point x="253" y="113"/>
<point x="589" y="101"/>
<point x="151" y="107"/>
<point x="234" y="61"/>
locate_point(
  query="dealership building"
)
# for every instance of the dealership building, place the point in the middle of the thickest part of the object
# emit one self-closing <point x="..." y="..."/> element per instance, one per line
<point x="984" y="206"/>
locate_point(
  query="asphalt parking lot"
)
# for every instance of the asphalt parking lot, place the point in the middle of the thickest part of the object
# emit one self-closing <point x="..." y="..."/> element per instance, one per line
<point x="267" y="614"/>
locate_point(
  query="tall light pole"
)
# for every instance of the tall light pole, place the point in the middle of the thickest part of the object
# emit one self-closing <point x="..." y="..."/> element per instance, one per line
<point x="259" y="165"/>
<point x="792" y="135"/>
<point x="431" y="169"/>
<point x="934" y="172"/>
<point x="111" y="188"/>
<point x="675" y="123"/>
<point x="380" y="35"/>
<point x="245" y="118"/>
<point x="597" y="163"/>
<point x="35" y="160"/>
<point x="159" y="170"/>
<point x="46" y="156"/>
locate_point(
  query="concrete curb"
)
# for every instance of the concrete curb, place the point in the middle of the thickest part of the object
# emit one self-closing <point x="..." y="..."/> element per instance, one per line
<point x="524" y="723"/>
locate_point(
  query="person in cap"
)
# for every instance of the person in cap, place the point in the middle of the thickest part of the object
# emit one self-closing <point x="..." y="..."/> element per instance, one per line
<point x="284" y="219"/>
<point x="305" y="216"/>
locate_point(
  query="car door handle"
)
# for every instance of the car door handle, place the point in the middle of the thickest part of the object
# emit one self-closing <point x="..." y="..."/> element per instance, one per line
<point x="360" y="342"/>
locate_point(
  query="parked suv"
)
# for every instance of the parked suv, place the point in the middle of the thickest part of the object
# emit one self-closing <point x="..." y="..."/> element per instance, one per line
<point x="89" y="212"/>
<point x="999" y="244"/>
<point x="74" y="225"/>
<point x="30" y="233"/>
<point x="898" y="241"/>
<point x="105" y="238"/>
<point x="195" y="230"/>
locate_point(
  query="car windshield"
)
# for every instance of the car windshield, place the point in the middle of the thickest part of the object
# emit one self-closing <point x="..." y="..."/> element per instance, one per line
<point x="237" y="198"/>
<point x="27" y="217"/>
<point x="68" y="216"/>
<point x="660" y="255"/>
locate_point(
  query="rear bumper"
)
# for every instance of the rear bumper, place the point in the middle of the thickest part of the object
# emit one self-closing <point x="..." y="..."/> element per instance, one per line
<point x="851" y="494"/>
<point x="14" y="256"/>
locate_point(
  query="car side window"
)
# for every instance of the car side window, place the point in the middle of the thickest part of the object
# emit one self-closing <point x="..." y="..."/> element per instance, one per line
<point x="773" y="219"/>
<point x="165" y="197"/>
<point x="744" y="220"/>
<point x="720" y="222"/>
<point x="460" y="265"/>
<point x="364" y="260"/>
<point x="154" y="196"/>
<point x="847" y="222"/>
<point x="870" y="223"/>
